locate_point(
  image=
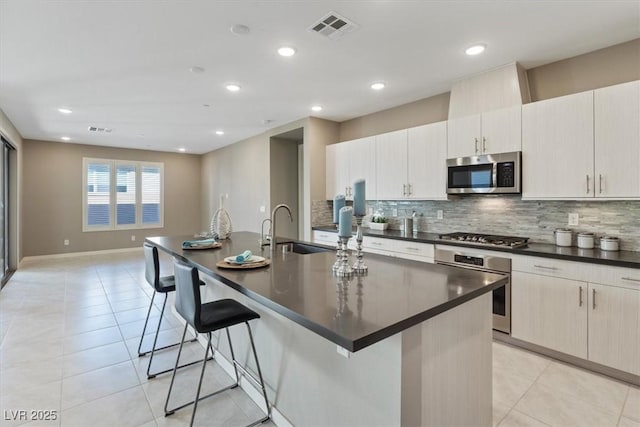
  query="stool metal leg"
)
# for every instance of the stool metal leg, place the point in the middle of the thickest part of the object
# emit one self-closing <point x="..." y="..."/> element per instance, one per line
<point x="233" y="356"/>
<point x="264" y="390"/>
<point x="144" y="329"/>
<point x="154" y="349"/>
<point x="204" y="365"/>
<point x="173" y="376"/>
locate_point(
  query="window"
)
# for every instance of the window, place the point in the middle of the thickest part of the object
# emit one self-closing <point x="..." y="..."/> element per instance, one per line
<point x="122" y="195"/>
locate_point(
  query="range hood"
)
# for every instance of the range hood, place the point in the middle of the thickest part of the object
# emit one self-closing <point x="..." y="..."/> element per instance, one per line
<point x="503" y="87"/>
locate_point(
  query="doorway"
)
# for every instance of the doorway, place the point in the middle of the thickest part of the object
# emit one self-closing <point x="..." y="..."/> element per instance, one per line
<point x="7" y="154"/>
<point x="286" y="175"/>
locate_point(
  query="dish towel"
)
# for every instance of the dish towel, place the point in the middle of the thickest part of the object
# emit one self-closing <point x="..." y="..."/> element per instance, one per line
<point x="198" y="243"/>
<point x="243" y="257"/>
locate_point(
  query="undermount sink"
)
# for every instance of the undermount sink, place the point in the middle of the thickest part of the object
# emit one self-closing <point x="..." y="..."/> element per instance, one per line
<point x="303" y="248"/>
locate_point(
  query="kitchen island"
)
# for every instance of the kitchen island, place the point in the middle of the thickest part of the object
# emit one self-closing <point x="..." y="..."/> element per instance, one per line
<point x="414" y="339"/>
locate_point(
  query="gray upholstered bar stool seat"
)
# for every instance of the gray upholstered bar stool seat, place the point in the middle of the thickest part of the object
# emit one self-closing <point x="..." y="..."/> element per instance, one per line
<point x="207" y="318"/>
<point x="161" y="285"/>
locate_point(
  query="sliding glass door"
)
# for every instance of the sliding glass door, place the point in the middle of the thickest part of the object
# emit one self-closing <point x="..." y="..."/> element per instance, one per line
<point x="5" y="156"/>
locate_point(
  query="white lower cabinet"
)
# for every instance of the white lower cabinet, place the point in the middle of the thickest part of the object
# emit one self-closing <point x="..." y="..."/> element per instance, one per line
<point x="560" y="308"/>
<point x="550" y="311"/>
<point x="614" y="327"/>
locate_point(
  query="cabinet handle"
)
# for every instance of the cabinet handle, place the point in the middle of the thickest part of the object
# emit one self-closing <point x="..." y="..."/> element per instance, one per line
<point x="404" y="190"/>
<point x="580" y="296"/>
<point x="593" y="299"/>
<point x="410" y="188"/>
<point x="476" y="139"/>
<point x="631" y="279"/>
<point x="546" y="268"/>
<point x="376" y="243"/>
<point x="484" y="144"/>
<point x="600" y="182"/>
<point x="588" y="189"/>
<point x="412" y="249"/>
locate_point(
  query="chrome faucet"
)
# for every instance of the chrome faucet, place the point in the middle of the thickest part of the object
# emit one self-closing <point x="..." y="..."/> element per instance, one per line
<point x="274" y="243"/>
<point x="264" y="239"/>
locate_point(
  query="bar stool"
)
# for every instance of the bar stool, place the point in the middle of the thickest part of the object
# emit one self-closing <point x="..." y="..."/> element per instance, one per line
<point x="207" y="318"/>
<point x="162" y="285"/>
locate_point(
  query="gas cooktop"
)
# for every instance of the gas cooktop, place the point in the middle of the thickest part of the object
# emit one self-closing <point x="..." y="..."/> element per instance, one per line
<point x="487" y="239"/>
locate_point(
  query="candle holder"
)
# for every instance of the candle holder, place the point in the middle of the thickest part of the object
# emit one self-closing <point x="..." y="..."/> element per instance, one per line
<point x="344" y="269"/>
<point x="339" y="251"/>
<point x="359" y="266"/>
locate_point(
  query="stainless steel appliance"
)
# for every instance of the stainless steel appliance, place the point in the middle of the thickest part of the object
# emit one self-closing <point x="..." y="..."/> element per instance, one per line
<point x="486" y="174"/>
<point x="486" y="239"/>
<point x="487" y="263"/>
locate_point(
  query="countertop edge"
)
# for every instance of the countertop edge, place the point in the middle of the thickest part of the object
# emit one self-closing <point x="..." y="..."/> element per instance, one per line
<point x="528" y="251"/>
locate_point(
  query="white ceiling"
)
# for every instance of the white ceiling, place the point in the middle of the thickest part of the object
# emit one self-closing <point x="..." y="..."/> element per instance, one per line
<point x="125" y="64"/>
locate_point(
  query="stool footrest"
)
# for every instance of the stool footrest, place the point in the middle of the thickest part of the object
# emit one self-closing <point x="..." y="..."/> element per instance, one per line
<point x="248" y="374"/>
<point x="170" y="412"/>
<point x="150" y="376"/>
<point x="165" y="347"/>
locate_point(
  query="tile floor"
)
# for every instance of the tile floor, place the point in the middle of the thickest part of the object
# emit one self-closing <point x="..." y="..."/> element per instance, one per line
<point x="69" y="330"/>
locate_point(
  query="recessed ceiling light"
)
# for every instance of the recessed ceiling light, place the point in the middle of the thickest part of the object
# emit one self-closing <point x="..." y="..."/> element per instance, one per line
<point x="206" y="105"/>
<point x="219" y="132"/>
<point x="65" y="110"/>
<point x="65" y="138"/>
<point x="317" y="108"/>
<point x="475" y="49"/>
<point x="377" y="86"/>
<point x="197" y="70"/>
<point x="286" y="51"/>
<point x="182" y="149"/>
<point x="240" y="29"/>
<point x="232" y="87"/>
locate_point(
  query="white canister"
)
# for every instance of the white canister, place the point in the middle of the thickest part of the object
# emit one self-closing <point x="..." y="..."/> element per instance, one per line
<point x="586" y="240"/>
<point x="609" y="243"/>
<point x="564" y="236"/>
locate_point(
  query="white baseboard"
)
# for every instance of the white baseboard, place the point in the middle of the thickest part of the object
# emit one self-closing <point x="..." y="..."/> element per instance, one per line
<point x="76" y="254"/>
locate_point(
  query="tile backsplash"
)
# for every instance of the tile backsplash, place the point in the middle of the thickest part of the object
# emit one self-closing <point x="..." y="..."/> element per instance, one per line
<point x="508" y="215"/>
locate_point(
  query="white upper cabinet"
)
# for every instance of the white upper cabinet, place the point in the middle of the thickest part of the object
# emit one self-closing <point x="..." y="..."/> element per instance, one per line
<point x="391" y="165"/>
<point x="348" y="161"/>
<point x="498" y="131"/>
<point x="617" y="140"/>
<point x="557" y="148"/>
<point x="426" y="161"/>
<point x="583" y="146"/>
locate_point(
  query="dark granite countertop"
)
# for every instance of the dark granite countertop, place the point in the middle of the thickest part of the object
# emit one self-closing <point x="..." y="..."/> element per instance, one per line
<point x="355" y="313"/>
<point x="596" y="256"/>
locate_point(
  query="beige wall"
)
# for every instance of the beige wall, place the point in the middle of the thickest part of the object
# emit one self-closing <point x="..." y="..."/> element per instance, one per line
<point x="10" y="133"/>
<point x="428" y="110"/>
<point x="53" y="197"/>
<point x="600" y="68"/>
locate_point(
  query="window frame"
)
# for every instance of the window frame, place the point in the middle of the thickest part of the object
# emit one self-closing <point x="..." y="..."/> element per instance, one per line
<point x="113" y="189"/>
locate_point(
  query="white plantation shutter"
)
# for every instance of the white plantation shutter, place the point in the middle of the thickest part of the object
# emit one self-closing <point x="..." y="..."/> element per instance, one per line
<point x="98" y="194"/>
<point x="125" y="194"/>
<point x="151" y="188"/>
<point x="122" y="195"/>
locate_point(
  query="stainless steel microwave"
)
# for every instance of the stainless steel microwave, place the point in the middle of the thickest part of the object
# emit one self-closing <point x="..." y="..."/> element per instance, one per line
<point x="486" y="174"/>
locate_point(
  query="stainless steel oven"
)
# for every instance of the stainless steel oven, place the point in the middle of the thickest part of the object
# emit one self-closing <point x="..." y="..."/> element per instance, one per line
<point x="486" y="263"/>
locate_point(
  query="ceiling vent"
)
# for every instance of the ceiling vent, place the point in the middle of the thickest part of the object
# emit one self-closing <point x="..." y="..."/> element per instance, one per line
<point x="333" y="26"/>
<point x="101" y="130"/>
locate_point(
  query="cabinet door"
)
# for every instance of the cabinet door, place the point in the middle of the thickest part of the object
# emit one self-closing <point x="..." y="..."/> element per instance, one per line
<point x="557" y="148"/>
<point x="617" y="140"/>
<point x="427" y="161"/>
<point x="337" y="170"/>
<point x="502" y="131"/>
<point x="391" y="165"/>
<point x="614" y="327"/>
<point x="362" y="164"/>
<point x="463" y="136"/>
<point x="550" y="312"/>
